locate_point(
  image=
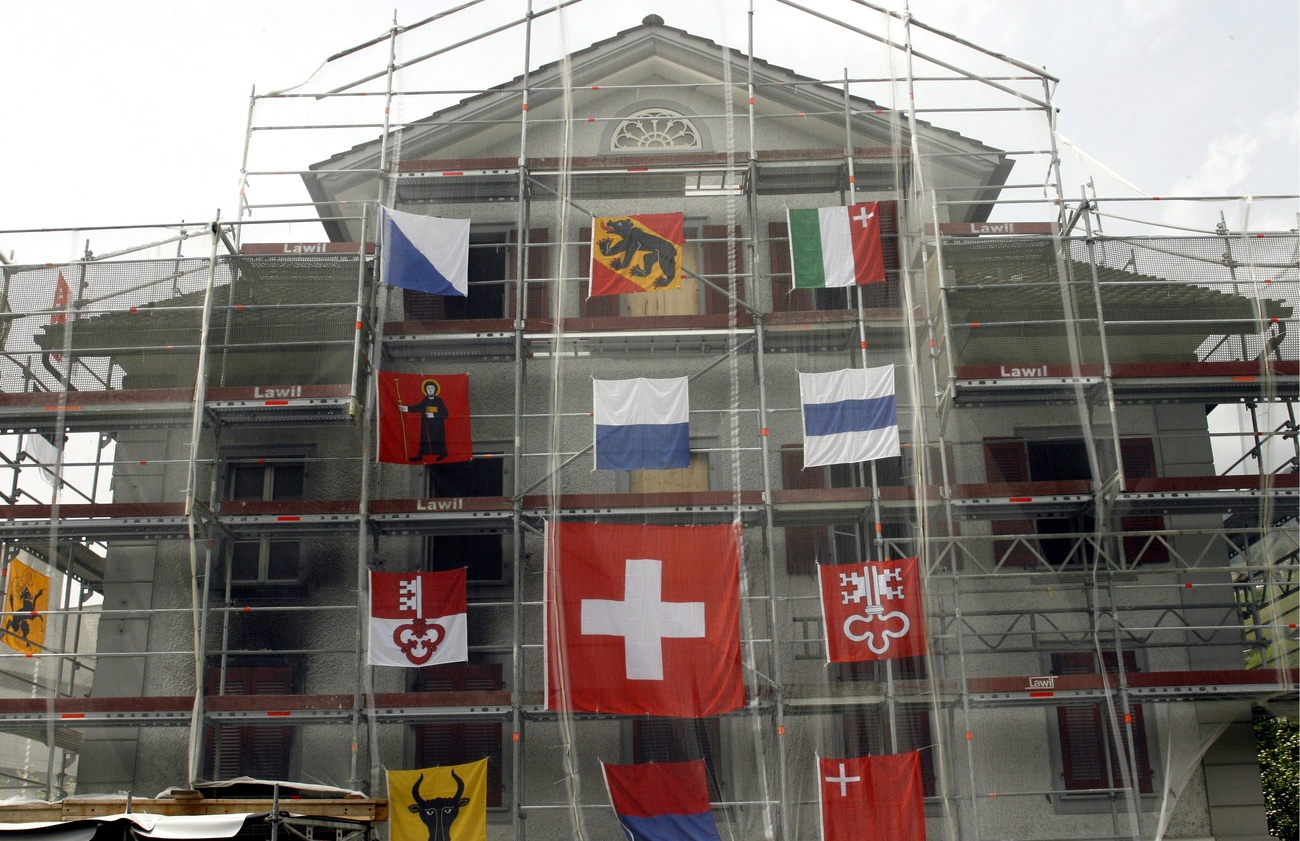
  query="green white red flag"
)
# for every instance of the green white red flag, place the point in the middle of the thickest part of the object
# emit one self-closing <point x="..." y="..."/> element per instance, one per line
<point x="836" y="246"/>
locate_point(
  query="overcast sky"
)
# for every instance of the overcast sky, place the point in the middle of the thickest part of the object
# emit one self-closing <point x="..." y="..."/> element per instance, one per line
<point x="134" y="111"/>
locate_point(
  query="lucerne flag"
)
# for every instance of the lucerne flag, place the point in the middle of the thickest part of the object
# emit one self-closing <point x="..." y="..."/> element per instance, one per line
<point x="641" y="424"/>
<point x="872" y="798"/>
<point x="872" y="610"/>
<point x="849" y="416"/>
<point x="836" y="246"/>
<point x="425" y="253"/>
<point x="418" y="618"/>
<point x="662" y="801"/>
<point x="643" y="620"/>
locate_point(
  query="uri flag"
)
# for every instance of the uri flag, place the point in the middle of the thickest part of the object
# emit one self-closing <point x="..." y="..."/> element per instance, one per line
<point x="642" y="424"/>
<point x="418" y="618"/>
<point x="439" y="804"/>
<point x="643" y="620"/>
<point x="427" y="253"/>
<point x="636" y="253"/>
<point x="424" y="418"/>
<point x="27" y="598"/>
<point x="872" y="611"/>
<point x="872" y="798"/>
<point x="848" y="416"/>
<point x="662" y="801"/>
<point x="836" y="246"/>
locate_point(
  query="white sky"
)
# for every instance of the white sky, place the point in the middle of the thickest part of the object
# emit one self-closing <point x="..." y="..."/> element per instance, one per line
<point x="134" y="112"/>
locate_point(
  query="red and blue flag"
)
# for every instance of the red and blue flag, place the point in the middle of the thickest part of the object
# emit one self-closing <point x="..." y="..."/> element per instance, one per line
<point x="662" y="801"/>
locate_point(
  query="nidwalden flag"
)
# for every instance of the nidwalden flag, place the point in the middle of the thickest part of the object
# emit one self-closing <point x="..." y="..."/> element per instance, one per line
<point x="427" y="253"/>
<point x="836" y="246"/>
<point x="872" y="798"/>
<point x="448" y="802"/>
<point x="662" y="801"/>
<point x="418" y="618"/>
<point x="848" y="416"/>
<point x="872" y="610"/>
<point x="424" y="418"/>
<point x="642" y="424"/>
<point x="636" y="253"/>
<point x="643" y="620"/>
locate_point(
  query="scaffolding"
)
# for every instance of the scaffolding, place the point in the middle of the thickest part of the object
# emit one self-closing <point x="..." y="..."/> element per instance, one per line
<point x="210" y="425"/>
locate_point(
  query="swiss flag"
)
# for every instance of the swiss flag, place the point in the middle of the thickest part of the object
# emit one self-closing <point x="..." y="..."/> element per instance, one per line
<point x="872" y="610"/>
<point x="872" y="798"/>
<point x="643" y="620"/>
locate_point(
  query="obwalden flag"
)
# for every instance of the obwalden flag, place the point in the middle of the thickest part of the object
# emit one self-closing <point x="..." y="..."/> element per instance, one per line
<point x="836" y="246"/>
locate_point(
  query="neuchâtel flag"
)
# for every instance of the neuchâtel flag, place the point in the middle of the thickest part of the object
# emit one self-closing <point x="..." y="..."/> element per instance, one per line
<point x="27" y="598"/>
<point x="636" y="253"/>
<point x="448" y="802"/>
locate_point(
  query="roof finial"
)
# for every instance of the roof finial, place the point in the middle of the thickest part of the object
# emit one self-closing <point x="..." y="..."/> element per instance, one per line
<point x="652" y="20"/>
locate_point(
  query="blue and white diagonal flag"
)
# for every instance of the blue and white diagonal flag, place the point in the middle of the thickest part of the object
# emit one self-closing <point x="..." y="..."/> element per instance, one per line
<point x="427" y="253"/>
<point x="642" y="424"/>
<point x="849" y="416"/>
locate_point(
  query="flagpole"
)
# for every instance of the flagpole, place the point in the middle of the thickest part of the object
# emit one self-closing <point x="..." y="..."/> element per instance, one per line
<point x="406" y="447"/>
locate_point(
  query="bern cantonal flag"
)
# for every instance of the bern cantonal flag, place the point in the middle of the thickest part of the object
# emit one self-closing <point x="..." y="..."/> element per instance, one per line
<point x="872" y="798"/>
<point x="448" y="802"/>
<point x="636" y="253"/>
<point x="849" y="416"/>
<point x="662" y="801"/>
<point x="872" y="610"/>
<point x="836" y="246"/>
<point x="425" y="253"/>
<point x="642" y="424"/>
<point x="418" y="618"/>
<point x="424" y="418"/>
<point x="643" y="620"/>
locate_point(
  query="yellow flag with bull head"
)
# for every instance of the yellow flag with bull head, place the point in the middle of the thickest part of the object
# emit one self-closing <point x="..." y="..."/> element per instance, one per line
<point x="27" y="598"/>
<point x="439" y="804"/>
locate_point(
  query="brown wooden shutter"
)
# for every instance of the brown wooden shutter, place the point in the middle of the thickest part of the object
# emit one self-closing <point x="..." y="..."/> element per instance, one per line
<point x="1139" y="458"/>
<point x="445" y="743"/>
<point x="422" y="306"/>
<point x="537" y="273"/>
<point x="252" y="751"/>
<point x="718" y="249"/>
<point x="785" y="298"/>
<point x="1007" y="460"/>
<point x="805" y="546"/>
<point x="1086" y="738"/>
<point x="602" y="306"/>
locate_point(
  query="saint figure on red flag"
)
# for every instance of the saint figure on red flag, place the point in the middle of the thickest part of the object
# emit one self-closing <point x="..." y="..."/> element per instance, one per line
<point x="424" y="418"/>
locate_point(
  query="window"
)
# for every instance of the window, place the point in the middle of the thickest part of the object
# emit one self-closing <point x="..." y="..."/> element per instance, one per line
<point x="655" y="128"/>
<point x="875" y="295"/>
<point x="457" y="742"/>
<point x="249" y="750"/>
<point x="1089" y="758"/>
<point x="267" y="560"/>
<point x="492" y="291"/>
<point x="681" y="740"/>
<point x="483" y="554"/>
<point x="869" y="731"/>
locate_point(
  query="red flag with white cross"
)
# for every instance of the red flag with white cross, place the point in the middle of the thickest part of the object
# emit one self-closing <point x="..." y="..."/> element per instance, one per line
<point x="872" y="798"/>
<point x="643" y="620"/>
<point x="872" y="610"/>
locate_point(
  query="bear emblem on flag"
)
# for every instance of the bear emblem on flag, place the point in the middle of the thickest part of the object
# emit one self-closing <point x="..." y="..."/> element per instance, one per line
<point x="872" y="610"/>
<point x="636" y="253"/>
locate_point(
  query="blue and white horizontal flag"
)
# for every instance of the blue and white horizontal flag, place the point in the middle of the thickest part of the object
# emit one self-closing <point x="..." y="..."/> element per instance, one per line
<point x="642" y="424"/>
<point x="427" y="253"/>
<point x="849" y="416"/>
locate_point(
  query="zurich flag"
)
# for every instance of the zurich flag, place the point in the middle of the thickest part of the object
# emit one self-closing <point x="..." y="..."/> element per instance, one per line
<point x="427" y="253"/>
<point x="642" y="424"/>
<point x="849" y="416"/>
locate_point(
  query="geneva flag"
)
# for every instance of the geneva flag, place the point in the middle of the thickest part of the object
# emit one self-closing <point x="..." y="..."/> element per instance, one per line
<point x="848" y="416"/>
<point x="872" y="798"/>
<point x="662" y="801"/>
<point x="872" y="610"/>
<point x="836" y="246"/>
<point x="426" y="253"/>
<point x="438" y="803"/>
<point x="643" y="620"/>
<point x="418" y="618"/>
<point x="642" y="424"/>
<point x="424" y="418"/>
<point x="636" y="253"/>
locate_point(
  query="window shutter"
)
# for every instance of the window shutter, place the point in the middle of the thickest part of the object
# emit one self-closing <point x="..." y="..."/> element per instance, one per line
<point x="1139" y="458"/>
<point x="1007" y="460"/>
<point x="1087" y="739"/>
<point x="785" y="298"/>
<point x="718" y="248"/>
<point x="603" y="306"/>
<point x="253" y="751"/>
<point x="537" y="273"/>
<point x="444" y="743"/>
<point x="805" y="546"/>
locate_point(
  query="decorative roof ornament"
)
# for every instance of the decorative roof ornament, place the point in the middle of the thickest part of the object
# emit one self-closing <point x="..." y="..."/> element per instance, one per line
<point x="655" y="128"/>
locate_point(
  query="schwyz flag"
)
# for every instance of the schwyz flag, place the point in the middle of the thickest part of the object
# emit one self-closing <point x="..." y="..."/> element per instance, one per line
<point x="836" y="246"/>
<point x="439" y="804"/>
<point x="636" y="253"/>
<point x="662" y="801"/>
<point x="849" y="416"/>
<point x="872" y="610"/>
<point x="872" y="798"/>
<point x="643" y="620"/>
<point x="425" y="253"/>
<point x="424" y="418"/>
<point x="642" y="424"/>
<point x="418" y="618"/>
